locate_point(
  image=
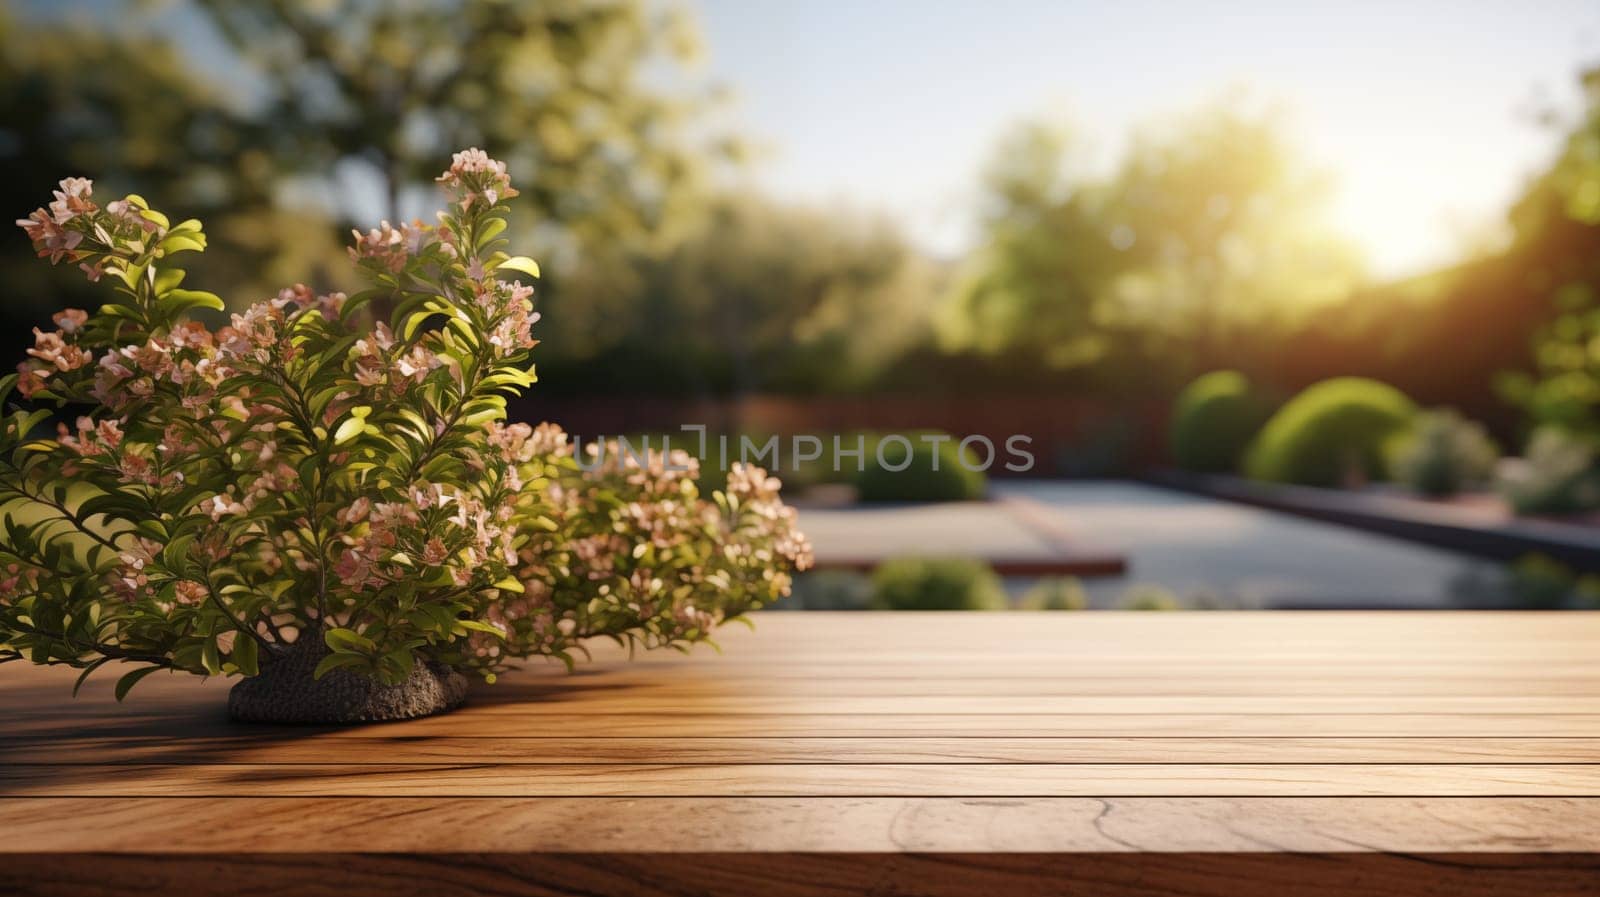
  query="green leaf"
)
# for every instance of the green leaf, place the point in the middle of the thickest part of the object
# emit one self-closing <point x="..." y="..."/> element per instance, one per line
<point x="184" y="242"/>
<point x="348" y="641"/>
<point x="211" y="657"/>
<point x="491" y="228"/>
<point x="350" y="429"/>
<point x="176" y="553"/>
<point x="85" y="674"/>
<point x="115" y="310"/>
<point x="336" y="661"/>
<point x="480" y="626"/>
<point x="130" y="680"/>
<point x="244" y="655"/>
<point x="359" y="300"/>
<point x="520" y="263"/>
<point x="184" y="300"/>
<point x="169" y="280"/>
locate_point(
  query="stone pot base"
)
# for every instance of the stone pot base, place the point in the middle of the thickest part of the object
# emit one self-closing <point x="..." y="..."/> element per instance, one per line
<point x="285" y="692"/>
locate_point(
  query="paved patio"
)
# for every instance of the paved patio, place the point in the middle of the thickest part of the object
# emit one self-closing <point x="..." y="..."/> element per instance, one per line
<point x="1195" y="546"/>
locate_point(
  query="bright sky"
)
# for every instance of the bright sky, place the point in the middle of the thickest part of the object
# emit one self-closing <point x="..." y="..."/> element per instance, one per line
<point x="1419" y="110"/>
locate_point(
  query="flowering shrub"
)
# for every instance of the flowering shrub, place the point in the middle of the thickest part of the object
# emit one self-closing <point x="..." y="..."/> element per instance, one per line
<point x="299" y="478"/>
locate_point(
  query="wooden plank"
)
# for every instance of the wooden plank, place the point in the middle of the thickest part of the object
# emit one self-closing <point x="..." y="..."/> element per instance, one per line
<point x="1043" y="705"/>
<point x="1122" y="846"/>
<point x="1135" y="754"/>
<point x="633" y="873"/>
<point x="556" y="749"/>
<point x="502" y="824"/>
<point x="825" y="780"/>
<point x="211" y="722"/>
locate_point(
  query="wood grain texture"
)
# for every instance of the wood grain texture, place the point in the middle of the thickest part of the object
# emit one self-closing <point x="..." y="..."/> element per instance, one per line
<point x="1100" y="753"/>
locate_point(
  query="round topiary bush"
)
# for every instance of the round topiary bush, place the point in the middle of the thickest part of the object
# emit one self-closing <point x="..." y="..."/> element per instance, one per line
<point x="936" y="584"/>
<point x="1056" y="593"/>
<point x="1213" y="421"/>
<point x="1556" y="475"/>
<point x="1149" y="597"/>
<point x="1444" y="454"/>
<point x="928" y="467"/>
<point x="1331" y="432"/>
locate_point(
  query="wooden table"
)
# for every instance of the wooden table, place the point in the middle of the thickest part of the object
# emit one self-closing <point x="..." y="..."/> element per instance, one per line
<point x="892" y="754"/>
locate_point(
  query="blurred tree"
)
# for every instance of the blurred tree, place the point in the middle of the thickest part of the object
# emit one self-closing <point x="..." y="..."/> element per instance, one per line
<point x="1529" y="308"/>
<point x="1224" y="230"/>
<point x="553" y="88"/>
<point x="755" y="296"/>
<point x="283" y="123"/>
<point x="1040" y="283"/>
<point x="130" y="114"/>
<point x="1205" y="228"/>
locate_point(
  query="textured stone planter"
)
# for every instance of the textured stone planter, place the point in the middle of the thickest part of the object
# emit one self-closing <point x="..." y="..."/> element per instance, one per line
<point x="285" y="692"/>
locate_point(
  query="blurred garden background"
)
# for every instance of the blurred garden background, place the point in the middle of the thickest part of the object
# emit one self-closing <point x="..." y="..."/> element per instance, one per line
<point x="1297" y="307"/>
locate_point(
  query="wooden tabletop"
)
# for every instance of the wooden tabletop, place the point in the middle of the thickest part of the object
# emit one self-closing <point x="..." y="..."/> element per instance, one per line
<point x="895" y="754"/>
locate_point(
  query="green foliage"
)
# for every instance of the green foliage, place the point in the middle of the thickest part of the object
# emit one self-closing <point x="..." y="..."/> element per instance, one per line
<point x="1204" y="229"/>
<point x="936" y="584"/>
<point x="1443" y="454"/>
<point x="306" y="473"/>
<point x="920" y="467"/>
<point x="752" y="295"/>
<point x="1539" y="582"/>
<point x="1564" y="390"/>
<point x="1556" y="475"/>
<point x="554" y="88"/>
<point x="1055" y="593"/>
<point x="1332" y="432"/>
<point x="831" y="590"/>
<point x="277" y="134"/>
<point x="1213" y="421"/>
<point x="1149" y="597"/>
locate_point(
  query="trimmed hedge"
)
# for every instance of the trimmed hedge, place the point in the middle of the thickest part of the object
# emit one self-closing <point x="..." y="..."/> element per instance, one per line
<point x="936" y="584"/>
<point x="1055" y="593"/>
<point x="1148" y="597"/>
<point x="1213" y="421"/>
<point x="1331" y="431"/>
<point x="1556" y="475"/>
<point x="1444" y="454"/>
<point x="927" y="473"/>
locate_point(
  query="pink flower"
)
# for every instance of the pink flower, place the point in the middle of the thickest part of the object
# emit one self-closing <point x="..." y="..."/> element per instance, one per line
<point x="71" y="320"/>
<point x="391" y="247"/>
<point x="473" y="176"/>
<point x="110" y="433"/>
<point x="356" y="513"/>
<point x="353" y="570"/>
<point x="219" y="506"/>
<point x="50" y="239"/>
<point x="434" y="553"/>
<point x="53" y="350"/>
<point x="30" y="381"/>
<point x="72" y="199"/>
<point x="190" y="593"/>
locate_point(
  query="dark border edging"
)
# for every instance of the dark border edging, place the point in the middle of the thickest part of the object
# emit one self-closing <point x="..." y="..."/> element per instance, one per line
<point x="1577" y="547"/>
<point x="1084" y="565"/>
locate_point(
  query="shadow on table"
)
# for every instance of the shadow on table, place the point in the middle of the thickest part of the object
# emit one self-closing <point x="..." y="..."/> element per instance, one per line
<point x="51" y="743"/>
